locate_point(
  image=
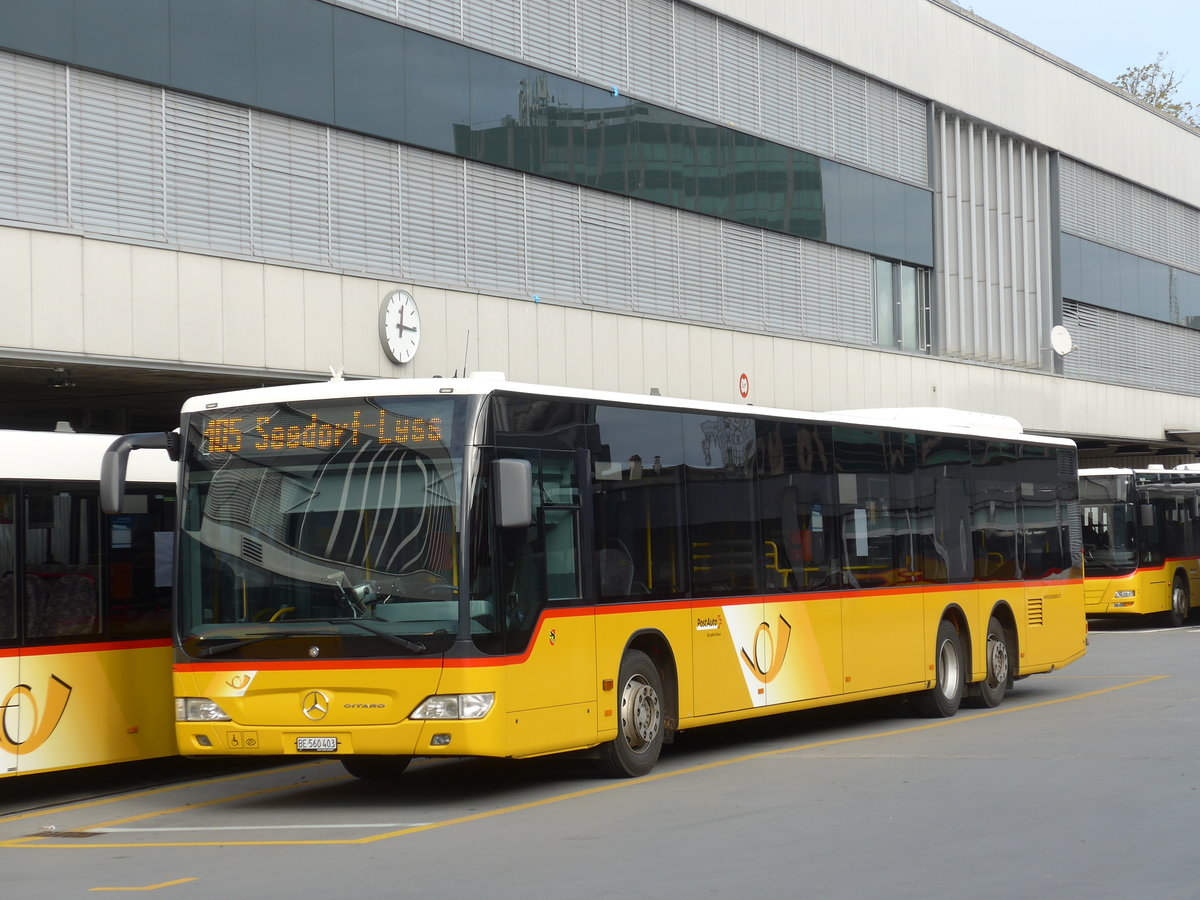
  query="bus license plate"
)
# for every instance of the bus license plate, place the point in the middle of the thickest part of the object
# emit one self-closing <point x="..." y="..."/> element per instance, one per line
<point x="316" y="744"/>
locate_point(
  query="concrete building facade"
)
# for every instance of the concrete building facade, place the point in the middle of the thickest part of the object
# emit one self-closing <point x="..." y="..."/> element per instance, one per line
<point x="820" y="205"/>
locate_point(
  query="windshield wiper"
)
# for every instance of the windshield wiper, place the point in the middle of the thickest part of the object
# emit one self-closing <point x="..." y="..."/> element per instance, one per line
<point x="233" y="645"/>
<point x="410" y="646"/>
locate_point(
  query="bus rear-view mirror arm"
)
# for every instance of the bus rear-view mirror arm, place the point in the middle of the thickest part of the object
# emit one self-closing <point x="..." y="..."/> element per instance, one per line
<point x="115" y="463"/>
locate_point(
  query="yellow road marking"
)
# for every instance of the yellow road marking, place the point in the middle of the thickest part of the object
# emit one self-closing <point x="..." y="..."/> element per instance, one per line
<point x="149" y="887"/>
<point x="573" y="795"/>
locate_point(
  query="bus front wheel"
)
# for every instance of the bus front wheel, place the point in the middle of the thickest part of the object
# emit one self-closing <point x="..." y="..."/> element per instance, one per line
<point x="943" y="699"/>
<point x="640" y="726"/>
<point x="1181" y="603"/>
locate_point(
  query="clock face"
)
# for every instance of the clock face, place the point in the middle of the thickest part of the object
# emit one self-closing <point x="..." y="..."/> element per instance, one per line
<point x="399" y="326"/>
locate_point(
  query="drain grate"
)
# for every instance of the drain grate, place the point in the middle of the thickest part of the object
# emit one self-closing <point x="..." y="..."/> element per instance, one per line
<point x="46" y="832"/>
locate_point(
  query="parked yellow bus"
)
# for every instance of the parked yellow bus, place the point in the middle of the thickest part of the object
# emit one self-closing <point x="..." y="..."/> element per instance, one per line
<point x="85" y="649"/>
<point x="1141" y="539"/>
<point x="381" y="570"/>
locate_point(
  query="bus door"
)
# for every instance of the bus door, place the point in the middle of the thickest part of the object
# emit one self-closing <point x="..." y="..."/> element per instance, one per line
<point x="549" y="636"/>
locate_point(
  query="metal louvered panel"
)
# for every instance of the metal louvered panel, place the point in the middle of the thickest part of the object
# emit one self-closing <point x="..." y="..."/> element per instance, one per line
<point x="656" y="261"/>
<point x="33" y="140"/>
<point x="549" y="31"/>
<point x="820" y="301"/>
<point x="495" y="218"/>
<point x="1103" y="208"/>
<point x="291" y="188"/>
<point x="912" y="139"/>
<point x="850" y="116"/>
<point x="378" y="7"/>
<point x="994" y="268"/>
<point x="783" y="284"/>
<point x="1118" y="348"/>
<point x="855" y="303"/>
<point x="881" y="130"/>
<point x="604" y="251"/>
<point x="700" y="269"/>
<point x="602" y="41"/>
<point x="739" y="76"/>
<point x="552" y="240"/>
<point x="743" y="276"/>
<point x="208" y="174"/>
<point x="364" y="198"/>
<point x="116" y="155"/>
<point x="652" y="50"/>
<point x="780" y="92"/>
<point x="432" y="215"/>
<point x="495" y="24"/>
<point x="696" y="59"/>
<point x="439" y="16"/>
<point x="816" y="104"/>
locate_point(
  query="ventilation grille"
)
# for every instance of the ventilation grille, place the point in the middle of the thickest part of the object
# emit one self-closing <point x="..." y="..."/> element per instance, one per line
<point x="1034" y="614"/>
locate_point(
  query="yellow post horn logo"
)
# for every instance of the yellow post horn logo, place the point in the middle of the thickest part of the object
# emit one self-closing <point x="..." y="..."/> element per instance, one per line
<point x="765" y="665"/>
<point x="57" y="694"/>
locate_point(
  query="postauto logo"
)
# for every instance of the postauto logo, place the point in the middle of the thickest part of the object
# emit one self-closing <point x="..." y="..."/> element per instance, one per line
<point x="46" y="715"/>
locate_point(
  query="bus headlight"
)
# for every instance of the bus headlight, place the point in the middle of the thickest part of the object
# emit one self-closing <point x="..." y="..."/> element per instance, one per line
<point x="454" y="706"/>
<point x="198" y="709"/>
<point x="1124" y="595"/>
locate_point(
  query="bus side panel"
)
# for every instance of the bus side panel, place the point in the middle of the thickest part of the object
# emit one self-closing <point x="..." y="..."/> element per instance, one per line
<point x="1053" y="630"/>
<point x="64" y="709"/>
<point x="883" y="636"/>
<point x="757" y="654"/>
<point x="550" y="700"/>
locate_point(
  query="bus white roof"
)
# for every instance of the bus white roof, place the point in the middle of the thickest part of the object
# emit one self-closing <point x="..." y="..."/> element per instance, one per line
<point x="936" y="419"/>
<point x="65" y="456"/>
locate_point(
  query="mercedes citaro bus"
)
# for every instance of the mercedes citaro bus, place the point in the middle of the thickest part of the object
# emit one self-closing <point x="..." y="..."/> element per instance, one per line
<point x="382" y="570"/>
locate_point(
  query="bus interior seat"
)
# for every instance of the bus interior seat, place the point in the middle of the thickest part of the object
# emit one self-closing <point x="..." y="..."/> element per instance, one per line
<point x="71" y="606"/>
<point x="615" y="564"/>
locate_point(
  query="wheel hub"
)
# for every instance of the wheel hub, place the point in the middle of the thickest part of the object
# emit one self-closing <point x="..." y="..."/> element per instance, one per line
<point x="640" y="713"/>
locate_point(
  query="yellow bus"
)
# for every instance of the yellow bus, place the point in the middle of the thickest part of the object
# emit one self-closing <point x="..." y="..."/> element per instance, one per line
<point x="1141" y="541"/>
<point x="85" y="649"/>
<point x="381" y="570"/>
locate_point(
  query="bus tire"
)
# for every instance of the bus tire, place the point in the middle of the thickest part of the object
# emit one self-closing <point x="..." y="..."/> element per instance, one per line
<point x="998" y="667"/>
<point x="641" y="723"/>
<point x="943" y="699"/>
<point x="1181" y="603"/>
<point x="376" y="768"/>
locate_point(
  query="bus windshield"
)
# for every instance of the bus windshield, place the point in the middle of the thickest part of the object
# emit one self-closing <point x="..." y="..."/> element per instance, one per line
<point x="328" y="527"/>
<point x="1109" y="529"/>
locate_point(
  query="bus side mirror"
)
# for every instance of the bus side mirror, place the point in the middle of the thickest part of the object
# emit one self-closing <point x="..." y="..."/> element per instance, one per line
<point x="512" y="482"/>
<point x="115" y="463"/>
<point x="1146" y="515"/>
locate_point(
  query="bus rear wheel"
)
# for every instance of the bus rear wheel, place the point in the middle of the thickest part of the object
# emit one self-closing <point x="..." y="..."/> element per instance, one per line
<point x="376" y="768"/>
<point x="1181" y="603"/>
<point x="943" y="699"/>
<point x="640" y="729"/>
<point x="998" y="661"/>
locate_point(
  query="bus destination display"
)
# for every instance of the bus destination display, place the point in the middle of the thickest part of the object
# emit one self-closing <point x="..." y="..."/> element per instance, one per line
<point x="236" y="435"/>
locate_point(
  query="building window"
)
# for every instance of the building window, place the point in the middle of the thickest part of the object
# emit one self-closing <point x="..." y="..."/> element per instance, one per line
<point x="901" y="306"/>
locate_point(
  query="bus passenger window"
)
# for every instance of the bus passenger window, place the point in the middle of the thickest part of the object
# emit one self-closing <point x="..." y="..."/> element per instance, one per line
<point x="8" y="592"/>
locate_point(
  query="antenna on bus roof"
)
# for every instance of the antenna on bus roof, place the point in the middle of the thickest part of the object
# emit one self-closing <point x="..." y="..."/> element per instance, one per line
<point x="466" y="348"/>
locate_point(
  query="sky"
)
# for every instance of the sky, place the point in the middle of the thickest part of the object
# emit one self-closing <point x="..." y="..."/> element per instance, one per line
<point x="1106" y="37"/>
